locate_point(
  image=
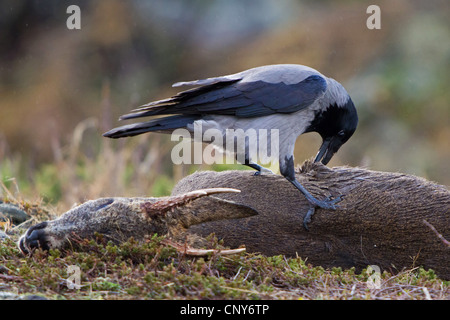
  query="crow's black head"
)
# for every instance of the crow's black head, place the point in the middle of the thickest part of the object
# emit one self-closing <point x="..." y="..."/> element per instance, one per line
<point x="336" y="125"/>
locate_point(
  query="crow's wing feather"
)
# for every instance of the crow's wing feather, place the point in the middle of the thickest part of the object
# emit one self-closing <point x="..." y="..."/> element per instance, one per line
<point x="165" y="124"/>
<point x="238" y="98"/>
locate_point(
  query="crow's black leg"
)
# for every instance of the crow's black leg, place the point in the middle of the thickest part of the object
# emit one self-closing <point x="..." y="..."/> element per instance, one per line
<point x="324" y="204"/>
<point x="287" y="170"/>
<point x="255" y="166"/>
<point x="259" y="169"/>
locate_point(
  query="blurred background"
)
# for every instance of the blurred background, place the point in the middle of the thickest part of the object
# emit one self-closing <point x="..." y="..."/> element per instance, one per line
<point x="60" y="89"/>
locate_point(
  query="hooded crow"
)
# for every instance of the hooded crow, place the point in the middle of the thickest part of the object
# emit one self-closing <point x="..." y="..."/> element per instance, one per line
<point x="294" y="99"/>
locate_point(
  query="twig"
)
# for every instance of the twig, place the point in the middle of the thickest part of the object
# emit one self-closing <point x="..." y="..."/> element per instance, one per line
<point x="242" y="290"/>
<point x="200" y="252"/>
<point x="10" y="277"/>
<point x="446" y="242"/>
<point x="6" y="190"/>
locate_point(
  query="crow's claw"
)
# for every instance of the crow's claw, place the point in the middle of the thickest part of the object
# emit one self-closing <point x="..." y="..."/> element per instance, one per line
<point x="329" y="203"/>
<point x="307" y="218"/>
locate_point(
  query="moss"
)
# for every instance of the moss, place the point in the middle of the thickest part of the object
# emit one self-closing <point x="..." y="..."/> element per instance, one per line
<point x="153" y="270"/>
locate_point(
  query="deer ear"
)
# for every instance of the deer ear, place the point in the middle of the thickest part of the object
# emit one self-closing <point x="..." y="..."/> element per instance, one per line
<point x="212" y="209"/>
<point x="196" y="207"/>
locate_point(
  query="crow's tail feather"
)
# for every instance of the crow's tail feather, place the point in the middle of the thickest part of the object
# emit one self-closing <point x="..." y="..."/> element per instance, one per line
<point x="165" y="125"/>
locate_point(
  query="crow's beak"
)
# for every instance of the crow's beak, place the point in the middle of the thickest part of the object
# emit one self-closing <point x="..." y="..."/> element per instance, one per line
<point x="326" y="151"/>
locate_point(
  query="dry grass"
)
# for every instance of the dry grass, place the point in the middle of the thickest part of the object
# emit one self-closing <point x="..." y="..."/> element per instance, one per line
<point x="89" y="166"/>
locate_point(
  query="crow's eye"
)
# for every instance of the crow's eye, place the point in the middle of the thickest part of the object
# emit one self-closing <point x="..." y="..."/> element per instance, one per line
<point x="341" y="133"/>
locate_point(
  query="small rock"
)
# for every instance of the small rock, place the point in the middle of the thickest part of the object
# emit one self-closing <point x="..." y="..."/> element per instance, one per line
<point x="32" y="297"/>
<point x="5" y="295"/>
<point x="13" y="213"/>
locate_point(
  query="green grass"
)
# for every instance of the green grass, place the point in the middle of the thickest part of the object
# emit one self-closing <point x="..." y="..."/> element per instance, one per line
<point x="152" y="270"/>
<point x="155" y="270"/>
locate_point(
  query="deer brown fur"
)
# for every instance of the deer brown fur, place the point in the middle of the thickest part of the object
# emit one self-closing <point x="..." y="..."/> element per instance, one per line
<point x="391" y="220"/>
<point x="380" y="220"/>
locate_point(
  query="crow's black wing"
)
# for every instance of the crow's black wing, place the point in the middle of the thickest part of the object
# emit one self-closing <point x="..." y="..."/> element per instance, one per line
<point x="238" y="98"/>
